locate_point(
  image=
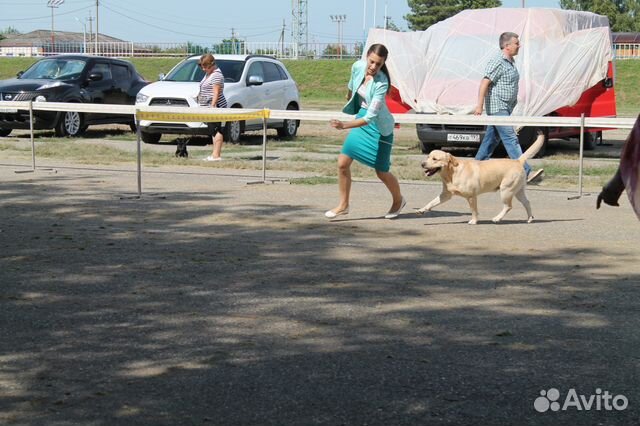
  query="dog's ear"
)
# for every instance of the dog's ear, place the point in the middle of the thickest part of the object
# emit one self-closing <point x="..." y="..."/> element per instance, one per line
<point x="453" y="161"/>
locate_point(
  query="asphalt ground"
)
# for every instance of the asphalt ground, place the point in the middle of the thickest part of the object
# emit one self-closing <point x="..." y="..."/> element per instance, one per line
<point x="212" y="301"/>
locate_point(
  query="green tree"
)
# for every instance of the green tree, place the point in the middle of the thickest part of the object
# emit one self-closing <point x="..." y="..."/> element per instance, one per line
<point x="624" y="15"/>
<point x="8" y="31"/>
<point x="425" y="13"/>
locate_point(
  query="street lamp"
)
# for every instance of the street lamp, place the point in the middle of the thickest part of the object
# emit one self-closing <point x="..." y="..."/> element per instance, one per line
<point x="84" y="35"/>
<point x="339" y="19"/>
<point x="53" y="4"/>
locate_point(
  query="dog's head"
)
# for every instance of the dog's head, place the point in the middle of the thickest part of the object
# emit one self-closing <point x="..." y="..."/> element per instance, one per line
<point x="181" y="148"/>
<point x="438" y="160"/>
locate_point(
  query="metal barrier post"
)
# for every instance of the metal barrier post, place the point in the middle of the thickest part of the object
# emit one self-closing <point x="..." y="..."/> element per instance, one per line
<point x="33" y="144"/>
<point x="264" y="149"/>
<point x="264" y="156"/>
<point x="580" y="160"/>
<point x="139" y="157"/>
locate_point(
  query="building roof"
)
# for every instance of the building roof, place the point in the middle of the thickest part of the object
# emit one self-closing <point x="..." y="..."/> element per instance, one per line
<point x="625" y="37"/>
<point x="40" y="37"/>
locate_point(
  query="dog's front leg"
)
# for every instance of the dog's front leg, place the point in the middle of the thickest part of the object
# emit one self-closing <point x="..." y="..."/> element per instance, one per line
<point x="473" y="205"/>
<point x="444" y="196"/>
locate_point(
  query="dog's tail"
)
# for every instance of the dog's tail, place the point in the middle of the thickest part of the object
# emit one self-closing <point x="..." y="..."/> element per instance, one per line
<point x="533" y="149"/>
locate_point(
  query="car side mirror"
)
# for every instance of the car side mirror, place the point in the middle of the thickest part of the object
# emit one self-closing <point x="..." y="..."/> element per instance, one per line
<point x="19" y="74"/>
<point x="95" y="76"/>
<point x="608" y="83"/>
<point x="161" y="76"/>
<point x="255" y="80"/>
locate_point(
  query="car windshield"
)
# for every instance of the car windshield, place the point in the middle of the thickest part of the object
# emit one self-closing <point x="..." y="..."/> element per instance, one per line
<point x="191" y="71"/>
<point x="55" y="69"/>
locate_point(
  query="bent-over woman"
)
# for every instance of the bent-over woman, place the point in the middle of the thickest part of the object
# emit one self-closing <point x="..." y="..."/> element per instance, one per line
<point x="371" y="136"/>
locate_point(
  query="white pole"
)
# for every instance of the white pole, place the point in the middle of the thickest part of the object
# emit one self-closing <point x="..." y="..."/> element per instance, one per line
<point x="364" y="21"/>
<point x="264" y="149"/>
<point x="375" y="10"/>
<point x="33" y="144"/>
<point x="139" y="155"/>
<point x="386" y="17"/>
<point x="581" y="155"/>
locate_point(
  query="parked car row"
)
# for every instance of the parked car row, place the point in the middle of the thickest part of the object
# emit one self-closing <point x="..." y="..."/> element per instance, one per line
<point x="251" y="81"/>
<point x="70" y="78"/>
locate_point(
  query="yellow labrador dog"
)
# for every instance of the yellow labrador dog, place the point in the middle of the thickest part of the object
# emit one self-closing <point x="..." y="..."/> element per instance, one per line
<point x="470" y="178"/>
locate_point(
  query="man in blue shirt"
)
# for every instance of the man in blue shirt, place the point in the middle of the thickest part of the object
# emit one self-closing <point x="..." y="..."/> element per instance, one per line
<point x="499" y="94"/>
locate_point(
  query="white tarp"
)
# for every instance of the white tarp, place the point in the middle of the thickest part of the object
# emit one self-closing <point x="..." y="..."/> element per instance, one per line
<point x="562" y="54"/>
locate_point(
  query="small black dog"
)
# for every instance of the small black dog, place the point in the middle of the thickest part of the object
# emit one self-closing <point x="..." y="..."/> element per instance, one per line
<point x="181" y="147"/>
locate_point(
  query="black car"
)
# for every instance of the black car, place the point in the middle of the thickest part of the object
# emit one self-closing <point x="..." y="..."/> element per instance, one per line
<point x="70" y="78"/>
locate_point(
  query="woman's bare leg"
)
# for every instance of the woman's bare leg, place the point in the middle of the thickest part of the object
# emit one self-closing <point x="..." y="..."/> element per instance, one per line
<point x="344" y="182"/>
<point x="393" y="186"/>
<point x="218" y="140"/>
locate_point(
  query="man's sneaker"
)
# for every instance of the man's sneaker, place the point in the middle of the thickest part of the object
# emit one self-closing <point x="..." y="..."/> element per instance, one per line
<point x="535" y="177"/>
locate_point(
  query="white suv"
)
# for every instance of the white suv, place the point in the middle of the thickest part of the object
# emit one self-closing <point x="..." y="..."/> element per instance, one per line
<point x="250" y="81"/>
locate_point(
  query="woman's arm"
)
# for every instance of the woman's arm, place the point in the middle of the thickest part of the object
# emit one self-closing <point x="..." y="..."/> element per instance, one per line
<point x="340" y="125"/>
<point x="216" y="95"/>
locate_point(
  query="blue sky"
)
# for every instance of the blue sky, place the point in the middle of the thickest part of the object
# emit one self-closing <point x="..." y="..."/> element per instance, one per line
<point x="204" y="21"/>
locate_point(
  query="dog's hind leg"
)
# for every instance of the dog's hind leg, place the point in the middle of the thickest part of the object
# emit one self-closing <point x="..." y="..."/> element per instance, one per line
<point x="522" y="197"/>
<point x="507" y="205"/>
<point x="444" y="196"/>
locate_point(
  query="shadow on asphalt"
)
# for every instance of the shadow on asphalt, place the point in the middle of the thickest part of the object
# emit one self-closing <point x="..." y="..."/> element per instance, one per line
<point x="136" y="313"/>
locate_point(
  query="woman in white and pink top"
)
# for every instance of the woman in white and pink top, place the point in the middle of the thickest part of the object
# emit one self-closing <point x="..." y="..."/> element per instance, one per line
<point x="211" y="95"/>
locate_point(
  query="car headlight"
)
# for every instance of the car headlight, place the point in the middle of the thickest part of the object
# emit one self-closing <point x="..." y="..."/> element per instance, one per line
<point x="140" y="98"/>
<point x="40" y="98"/>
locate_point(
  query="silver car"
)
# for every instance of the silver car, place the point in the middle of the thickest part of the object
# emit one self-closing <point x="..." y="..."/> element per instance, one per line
<point x="250" y="81"/>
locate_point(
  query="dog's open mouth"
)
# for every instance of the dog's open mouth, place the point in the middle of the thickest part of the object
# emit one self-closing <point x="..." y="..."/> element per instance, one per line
<point x="431" y="171"/>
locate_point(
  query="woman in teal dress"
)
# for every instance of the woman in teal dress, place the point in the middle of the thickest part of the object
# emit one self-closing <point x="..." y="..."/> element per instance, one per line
<point x="371" y="136"/>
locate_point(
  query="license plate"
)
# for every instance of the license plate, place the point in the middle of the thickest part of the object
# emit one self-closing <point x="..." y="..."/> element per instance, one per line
<point x="457" y="137"/>
<point x="8" y="110"/>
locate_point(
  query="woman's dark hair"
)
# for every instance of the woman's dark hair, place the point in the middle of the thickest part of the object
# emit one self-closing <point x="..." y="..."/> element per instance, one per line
<point x="381" y="50"/>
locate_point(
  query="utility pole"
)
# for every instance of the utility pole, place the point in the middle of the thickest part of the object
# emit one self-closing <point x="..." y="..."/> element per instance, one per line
<point x="233" y="41"/>
<point x="300" y="25"/>
<point x="339" y="19"/>
<point x="364" y="22"/>
<point x="53" y="4"/>
<point x="90" y="19"/>
<point x="386" y="17"/>
<point x="97" y="31"/>
<point x="282" y="39"/>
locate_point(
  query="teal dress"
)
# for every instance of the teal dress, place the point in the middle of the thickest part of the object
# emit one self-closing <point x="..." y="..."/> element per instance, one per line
<point x="366" y="145"/>
<point x="370" y="144"/>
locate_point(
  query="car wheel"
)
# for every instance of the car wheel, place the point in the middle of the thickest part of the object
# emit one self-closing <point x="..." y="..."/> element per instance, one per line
<point x="589" y="142"/>
<point x="71" y="123"/>
<point x="428" y="147"/>
<point x="289" y="127"/>
<point x="151" y="138"/>
<point x="232" y="131"/>
<point x="5" y="132"/>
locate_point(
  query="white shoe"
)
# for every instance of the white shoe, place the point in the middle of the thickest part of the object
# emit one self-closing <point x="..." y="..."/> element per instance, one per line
<point x="330" y="214"/>
<point x="210" y="158"/>
<point x="535" y="177"/>
<point x="393" y="215"/>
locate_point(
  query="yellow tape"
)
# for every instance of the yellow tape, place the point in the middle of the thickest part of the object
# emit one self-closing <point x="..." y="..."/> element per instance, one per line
<point x="205" y="118"/>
